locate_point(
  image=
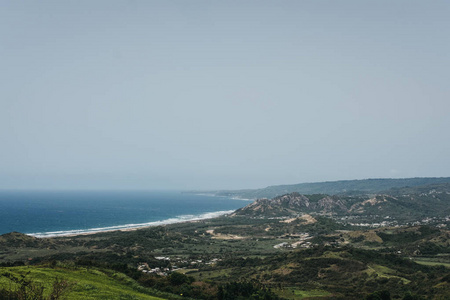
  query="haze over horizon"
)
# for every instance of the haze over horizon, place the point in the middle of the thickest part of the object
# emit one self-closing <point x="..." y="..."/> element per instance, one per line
<point x="221" y="95"/>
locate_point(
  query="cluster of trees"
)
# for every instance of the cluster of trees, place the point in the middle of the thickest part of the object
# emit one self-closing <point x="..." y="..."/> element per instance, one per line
<point x="342" y="270"/>
<point x="179" y="284"/>
<point x="385" y="295"/>
<point x="252" y="290"/>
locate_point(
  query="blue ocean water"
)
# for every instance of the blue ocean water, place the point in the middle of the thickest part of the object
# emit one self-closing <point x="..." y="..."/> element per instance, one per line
<point x="53" y="213"/>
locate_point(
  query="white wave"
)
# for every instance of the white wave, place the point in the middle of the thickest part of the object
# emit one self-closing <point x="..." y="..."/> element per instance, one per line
<point x="182" y="218"/>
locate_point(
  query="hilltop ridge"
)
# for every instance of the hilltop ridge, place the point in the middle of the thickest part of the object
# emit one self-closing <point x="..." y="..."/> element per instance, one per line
<point x="347" y="187"/>
<point x="398" y="206"/>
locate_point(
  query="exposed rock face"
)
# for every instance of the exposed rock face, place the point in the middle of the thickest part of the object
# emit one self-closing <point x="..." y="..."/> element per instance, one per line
<point x="292" y="201"/>
<point x="330" y="204"/>
<point x="405" y="204"/>
<point x="374" y="201"/>
<point x="292" y="204"/>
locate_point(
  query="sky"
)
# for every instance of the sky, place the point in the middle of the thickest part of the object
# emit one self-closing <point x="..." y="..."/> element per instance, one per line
<point x="221" y="94"/>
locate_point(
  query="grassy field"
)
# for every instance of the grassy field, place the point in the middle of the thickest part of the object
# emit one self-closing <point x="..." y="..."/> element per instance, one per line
<point x="86" y="283"/>
<point x="385" y="272"/>
<point x="431" y="263"/>
<point x="294" y="293"/>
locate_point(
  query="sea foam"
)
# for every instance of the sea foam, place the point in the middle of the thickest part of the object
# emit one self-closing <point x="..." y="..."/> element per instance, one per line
<point x="179" y="219"/>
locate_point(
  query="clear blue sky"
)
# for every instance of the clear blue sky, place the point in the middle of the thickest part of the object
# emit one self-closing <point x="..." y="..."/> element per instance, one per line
<point x="221" y="94"/>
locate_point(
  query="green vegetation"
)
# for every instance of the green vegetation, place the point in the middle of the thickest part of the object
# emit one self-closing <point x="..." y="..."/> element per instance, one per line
<point x="427" y="262"/>
<point x="291" y="247"/>
<point x="245" y="290"/>
<point x="294" y="293"/>
<point x="364" y="186"/>
<point x="81" y="283"/>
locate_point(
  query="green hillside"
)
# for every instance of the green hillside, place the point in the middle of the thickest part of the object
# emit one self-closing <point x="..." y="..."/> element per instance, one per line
<point x="334" y="187"/>
<point x="83" y="283"/>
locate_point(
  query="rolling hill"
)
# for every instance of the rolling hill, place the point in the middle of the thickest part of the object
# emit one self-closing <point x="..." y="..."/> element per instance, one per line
<point x="348" y="187"/>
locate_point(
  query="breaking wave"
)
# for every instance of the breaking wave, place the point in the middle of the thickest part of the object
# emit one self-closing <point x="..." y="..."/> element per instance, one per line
<point x="182" y="218"/>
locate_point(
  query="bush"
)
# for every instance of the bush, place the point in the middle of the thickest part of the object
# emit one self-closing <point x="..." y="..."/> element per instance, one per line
<point x="178" y="279"/>
<point x="379" y="295"/>
<point x="26" y="289"/>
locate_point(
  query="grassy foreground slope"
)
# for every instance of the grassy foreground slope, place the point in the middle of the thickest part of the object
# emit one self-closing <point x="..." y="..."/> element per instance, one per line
<point x="85" y="283"/>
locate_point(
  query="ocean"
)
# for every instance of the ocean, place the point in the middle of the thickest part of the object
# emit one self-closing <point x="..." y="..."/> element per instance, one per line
<point x="59" y="213"/>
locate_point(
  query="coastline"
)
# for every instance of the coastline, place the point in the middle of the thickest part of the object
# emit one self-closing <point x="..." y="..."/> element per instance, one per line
<point x="130" y="227"/>
<point x="219" y="196"/>
<point x="66" y="213"/>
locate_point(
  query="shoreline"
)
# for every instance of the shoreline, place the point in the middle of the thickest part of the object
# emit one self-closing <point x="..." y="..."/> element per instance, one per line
<point x="130" y="227"/>
<point x="219" y="196"/>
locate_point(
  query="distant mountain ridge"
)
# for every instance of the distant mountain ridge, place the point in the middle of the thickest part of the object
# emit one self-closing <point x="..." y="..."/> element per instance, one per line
<point x="347" y="187"/>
